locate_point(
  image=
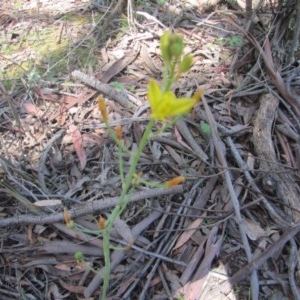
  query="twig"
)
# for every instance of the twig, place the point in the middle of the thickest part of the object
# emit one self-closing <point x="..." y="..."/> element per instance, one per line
<point x="184" y="130"/>
<point x="88" y="208"/>
<point x="296" y="32"/>
<point x="163" y="248"/>
<point x="42" y="161"/>
<point x="104" y="88"/>
<point x="258" y="261"/>
<point x="118" y="255"/>
<point x="292" y="265"/>
<point x="267" y="58"/>
<point x="276" y="217"/>
<point x="220" y="150"/>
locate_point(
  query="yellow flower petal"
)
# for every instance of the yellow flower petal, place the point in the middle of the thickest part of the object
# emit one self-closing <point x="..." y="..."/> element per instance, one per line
<point x="164" y="105"/>
<point x="181" y="106"/>
<point x="154" y="93"/>
<point x="198" y="95"/>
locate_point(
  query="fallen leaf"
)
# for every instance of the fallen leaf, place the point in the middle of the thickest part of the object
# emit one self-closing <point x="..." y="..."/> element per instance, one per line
<point x="63" y="267"/>
<point x="180" y="140"/>
<point x="32" y="109"/>
<point x="50" y="202"/>
<point x="77" y="142"/>
<point x="254" y="230"/>
<point x="186" y="235"/>
<point x="124" y="231"/>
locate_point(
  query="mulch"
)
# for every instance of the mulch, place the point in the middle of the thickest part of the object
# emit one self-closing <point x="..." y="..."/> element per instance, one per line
<point x="230" y="231"/>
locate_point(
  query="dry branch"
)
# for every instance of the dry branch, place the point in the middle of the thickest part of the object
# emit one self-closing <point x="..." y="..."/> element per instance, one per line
<point x="263" y="143"/>
<point x="104" y="88"/>
<point x="88" y="208"/>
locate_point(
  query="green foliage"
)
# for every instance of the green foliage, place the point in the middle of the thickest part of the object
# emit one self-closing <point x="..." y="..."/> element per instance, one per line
<point x="231" y="41"/>
<point x="205" y="128"/>
<point x="78" y="255"/>
<point x="118" y="86"/>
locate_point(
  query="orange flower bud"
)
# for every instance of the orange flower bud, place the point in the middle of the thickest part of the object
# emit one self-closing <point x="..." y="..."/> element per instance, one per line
<point x="118" y="131"/>
<point x="102" y="108"/>
<point x="70" y="223"/>
<point x="175" y="181"/>
<point x="102" y="223"/>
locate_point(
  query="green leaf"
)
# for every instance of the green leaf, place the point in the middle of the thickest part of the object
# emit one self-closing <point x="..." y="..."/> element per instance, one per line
<point x="117" y="85"/>
<point x="205" y="128"/>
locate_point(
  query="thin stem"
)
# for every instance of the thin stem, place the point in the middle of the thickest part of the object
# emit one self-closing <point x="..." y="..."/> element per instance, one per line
<point x="106" y="252"/>
<point x="121" y="205"/>
<point x="121" y="169"/>
<point x="116" y="212"/>
<point x="171" y="76"/>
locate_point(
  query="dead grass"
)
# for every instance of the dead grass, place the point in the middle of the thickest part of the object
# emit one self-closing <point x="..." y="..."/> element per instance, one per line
<point x="188" y="241"/>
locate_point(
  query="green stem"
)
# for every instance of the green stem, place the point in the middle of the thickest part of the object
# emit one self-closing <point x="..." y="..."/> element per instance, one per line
<point x="121" y="205"/>
<point x="116" y="212"/>
<point x="106" y="252"/>
<point x="171" y="76"/>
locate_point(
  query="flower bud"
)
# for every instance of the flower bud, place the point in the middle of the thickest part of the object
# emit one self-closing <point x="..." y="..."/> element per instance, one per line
<point x="186" y="63"/>
<point x="171" y="46"/>
<point x="165" y="42"/>
<point x="175" y="181"/>
<point x="118" y="131"/>
<point x="177" y="46"/>
<point x="78" y="255"/>
<point x="102" y="223"/>
<point x="102" y="108"/>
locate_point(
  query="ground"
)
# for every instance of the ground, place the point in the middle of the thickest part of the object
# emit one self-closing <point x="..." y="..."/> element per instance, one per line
<point x="229" y="231"/>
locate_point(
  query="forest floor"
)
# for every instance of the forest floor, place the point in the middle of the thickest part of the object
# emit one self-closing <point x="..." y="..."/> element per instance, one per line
<point x="229" y="231"/>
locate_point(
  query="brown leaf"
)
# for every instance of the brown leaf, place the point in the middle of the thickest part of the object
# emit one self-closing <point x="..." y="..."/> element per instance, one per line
<point x="63" y="267"/>
<point x="254" y="230"/>
<point x="186" y="235"/>
<point x="72" y="288"/>
<point x="180" y="140"/>
<point x="32" y="109"/>
<point x="124" y="230"/>
<point x="119" y="65"/>
<point x="213" y="246"/>
<point x="77" y="142"/>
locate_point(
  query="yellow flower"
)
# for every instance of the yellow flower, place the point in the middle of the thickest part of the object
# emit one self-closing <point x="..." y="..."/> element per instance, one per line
<point x="164" y="105"/>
